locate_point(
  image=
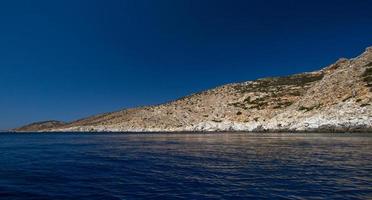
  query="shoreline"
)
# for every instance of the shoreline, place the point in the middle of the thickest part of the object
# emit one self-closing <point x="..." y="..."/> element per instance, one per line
<point x="366" y="131"/>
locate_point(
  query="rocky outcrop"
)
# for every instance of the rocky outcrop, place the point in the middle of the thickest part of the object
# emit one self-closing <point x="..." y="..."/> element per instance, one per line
<point x="336" y="98"/>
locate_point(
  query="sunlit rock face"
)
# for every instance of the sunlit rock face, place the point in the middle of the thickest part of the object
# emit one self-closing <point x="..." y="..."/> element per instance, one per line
<point x="336" y="98"/>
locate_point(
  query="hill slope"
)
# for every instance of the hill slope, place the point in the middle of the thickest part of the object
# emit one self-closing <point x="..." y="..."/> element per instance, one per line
<point x="336" y="98"/>
<point x="39" y="126"/>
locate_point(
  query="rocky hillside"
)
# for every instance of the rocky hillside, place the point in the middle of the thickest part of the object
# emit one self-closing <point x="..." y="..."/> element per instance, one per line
<point x="39" y="126"/>
<point x="336" y="98"/>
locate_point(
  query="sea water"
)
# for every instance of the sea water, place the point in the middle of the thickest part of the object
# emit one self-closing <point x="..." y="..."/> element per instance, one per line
<point x="185" y="166"/>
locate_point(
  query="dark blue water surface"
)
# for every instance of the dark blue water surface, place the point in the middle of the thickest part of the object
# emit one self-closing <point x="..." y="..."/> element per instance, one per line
<point x="185" y="166"/>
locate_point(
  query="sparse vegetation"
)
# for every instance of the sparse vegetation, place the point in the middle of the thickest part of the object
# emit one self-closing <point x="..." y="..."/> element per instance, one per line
<point x="295" y="93"/>
<point x="258" y="103"/>
<point x="283" y="104"/>
<point x="367" y="79"/>
<point x="307" y="109"/>
<point x="367" y="76"/>
<point x="368" y="72"/>
<point x="264" y="85"/>
<point x="275" y="89"/>
<point x="302" y="108"/>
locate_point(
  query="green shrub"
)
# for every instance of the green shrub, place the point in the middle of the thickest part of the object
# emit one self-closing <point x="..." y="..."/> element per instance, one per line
<point x="264" y="85"/>
<point x="306" y="109"/>
<point x="367" y="72"/>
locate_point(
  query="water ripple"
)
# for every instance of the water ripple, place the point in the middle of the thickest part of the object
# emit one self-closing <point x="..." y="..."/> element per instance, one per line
<point x="185" y="166"/>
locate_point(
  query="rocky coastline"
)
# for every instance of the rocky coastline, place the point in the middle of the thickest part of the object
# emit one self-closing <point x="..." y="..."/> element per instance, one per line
<point x="337" y="98"/>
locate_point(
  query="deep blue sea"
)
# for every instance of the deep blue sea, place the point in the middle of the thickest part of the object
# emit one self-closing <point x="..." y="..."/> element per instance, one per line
<point x="185" y="166"/>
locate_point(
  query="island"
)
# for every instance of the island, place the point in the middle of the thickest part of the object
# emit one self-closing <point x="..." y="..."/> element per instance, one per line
<point x="336" y="98"/>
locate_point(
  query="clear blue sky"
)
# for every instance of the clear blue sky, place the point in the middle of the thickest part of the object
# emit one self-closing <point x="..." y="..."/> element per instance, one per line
<point x="67" y="59"/>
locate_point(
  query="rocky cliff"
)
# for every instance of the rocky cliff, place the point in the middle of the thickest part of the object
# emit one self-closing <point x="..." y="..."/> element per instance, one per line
<point x="336" y="98"/>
